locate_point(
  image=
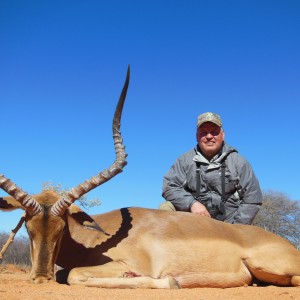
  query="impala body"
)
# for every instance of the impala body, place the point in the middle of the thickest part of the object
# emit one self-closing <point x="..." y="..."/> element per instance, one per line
<point x="137" y="247"/>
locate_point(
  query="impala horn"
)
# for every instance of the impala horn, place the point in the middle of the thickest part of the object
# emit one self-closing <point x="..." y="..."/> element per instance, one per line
<point x="117" y="167"/>
<point x="27" y="202"/>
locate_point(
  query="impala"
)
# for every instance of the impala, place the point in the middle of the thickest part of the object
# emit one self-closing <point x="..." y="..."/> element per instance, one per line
<point x="138" y="247"/>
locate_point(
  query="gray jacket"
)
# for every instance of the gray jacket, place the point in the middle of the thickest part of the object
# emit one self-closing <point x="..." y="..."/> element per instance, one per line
<point x="242" y="190"/>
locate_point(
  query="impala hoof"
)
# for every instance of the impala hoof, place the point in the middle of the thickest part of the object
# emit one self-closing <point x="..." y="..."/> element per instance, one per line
<point x="173" y="283"/>
<point x="295" y="281"/>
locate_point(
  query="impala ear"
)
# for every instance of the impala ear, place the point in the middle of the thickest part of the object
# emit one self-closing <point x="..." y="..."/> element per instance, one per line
<point x="9" y="203"/>
<point x="84" y="219"/>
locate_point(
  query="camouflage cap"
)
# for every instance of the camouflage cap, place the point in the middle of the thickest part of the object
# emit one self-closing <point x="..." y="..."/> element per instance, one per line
<point x="209" y="117"/>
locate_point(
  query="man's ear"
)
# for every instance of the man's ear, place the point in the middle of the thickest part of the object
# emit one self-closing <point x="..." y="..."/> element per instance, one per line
<point x="223" y="132"/>
<point x="197" y="136"/>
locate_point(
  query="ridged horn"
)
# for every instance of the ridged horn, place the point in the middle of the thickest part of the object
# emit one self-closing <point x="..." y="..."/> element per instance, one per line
<point x="117" y="167"/>
<point x="28" y="203"/>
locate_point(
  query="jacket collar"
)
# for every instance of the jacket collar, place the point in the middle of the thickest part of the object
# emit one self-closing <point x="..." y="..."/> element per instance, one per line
<point x="217" y="160"/>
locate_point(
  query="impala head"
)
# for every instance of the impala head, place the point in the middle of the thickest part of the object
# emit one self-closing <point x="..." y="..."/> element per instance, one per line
<point x="46" y="213"/>
<point x="45" y="230"/>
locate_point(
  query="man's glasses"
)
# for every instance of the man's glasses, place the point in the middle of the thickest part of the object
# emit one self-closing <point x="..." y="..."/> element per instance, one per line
<point x="212" y="132"/>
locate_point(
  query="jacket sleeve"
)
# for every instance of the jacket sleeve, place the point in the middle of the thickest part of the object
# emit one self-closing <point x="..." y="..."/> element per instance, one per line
<point x="252" y="198"/>
<point x="173" y="186"/>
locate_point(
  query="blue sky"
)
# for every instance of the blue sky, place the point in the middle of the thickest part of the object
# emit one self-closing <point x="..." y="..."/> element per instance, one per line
<point x="62" y="68"/>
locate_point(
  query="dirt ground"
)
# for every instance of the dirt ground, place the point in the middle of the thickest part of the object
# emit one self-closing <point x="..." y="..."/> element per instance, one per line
<point x="14" y="285"/>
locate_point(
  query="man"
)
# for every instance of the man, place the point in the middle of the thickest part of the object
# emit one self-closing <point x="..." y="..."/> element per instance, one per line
<point x="213" y="180"/>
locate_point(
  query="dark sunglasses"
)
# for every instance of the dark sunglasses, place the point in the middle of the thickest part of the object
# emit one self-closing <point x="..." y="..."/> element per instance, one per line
<point x="212" y="132"/>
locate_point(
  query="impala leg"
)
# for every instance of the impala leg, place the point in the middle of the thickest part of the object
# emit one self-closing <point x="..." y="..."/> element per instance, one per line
<point x="110" y="269"/>
<point x="295" y="281"/>
<point x="238" y="276"/>
<point x="117" y="275"/>
<point x="282" y="270"/>
<point x="145" y="282"/>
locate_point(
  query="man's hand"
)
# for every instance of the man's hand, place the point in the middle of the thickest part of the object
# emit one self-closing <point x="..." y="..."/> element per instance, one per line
<point x="199" y="209"/>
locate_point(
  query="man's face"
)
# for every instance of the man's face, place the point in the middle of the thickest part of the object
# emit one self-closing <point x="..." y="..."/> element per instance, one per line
<point x="210" y="138"/>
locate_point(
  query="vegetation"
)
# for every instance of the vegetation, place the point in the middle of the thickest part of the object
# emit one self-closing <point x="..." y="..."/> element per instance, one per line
<point x="18" y="252"/>
<point x="83" y="201"/>
<point x="278" y="214"/>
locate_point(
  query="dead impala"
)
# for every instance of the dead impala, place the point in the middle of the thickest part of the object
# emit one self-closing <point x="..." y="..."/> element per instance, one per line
<point x="147" y="248"/>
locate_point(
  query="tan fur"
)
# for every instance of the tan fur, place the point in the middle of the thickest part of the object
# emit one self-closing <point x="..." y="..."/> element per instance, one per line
<point x="155" y="249"/>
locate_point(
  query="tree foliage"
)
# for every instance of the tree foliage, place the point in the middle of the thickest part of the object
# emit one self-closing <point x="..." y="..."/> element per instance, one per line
<point x="18" y="253"/>
<point x="280" y="215"/>
<point x="84" y="201"/>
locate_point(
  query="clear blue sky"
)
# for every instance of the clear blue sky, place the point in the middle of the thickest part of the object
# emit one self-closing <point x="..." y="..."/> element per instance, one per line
<point x="62" y="68"/>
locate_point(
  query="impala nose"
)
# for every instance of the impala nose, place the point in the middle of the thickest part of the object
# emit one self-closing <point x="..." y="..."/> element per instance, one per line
<point x="41" y="279"/>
